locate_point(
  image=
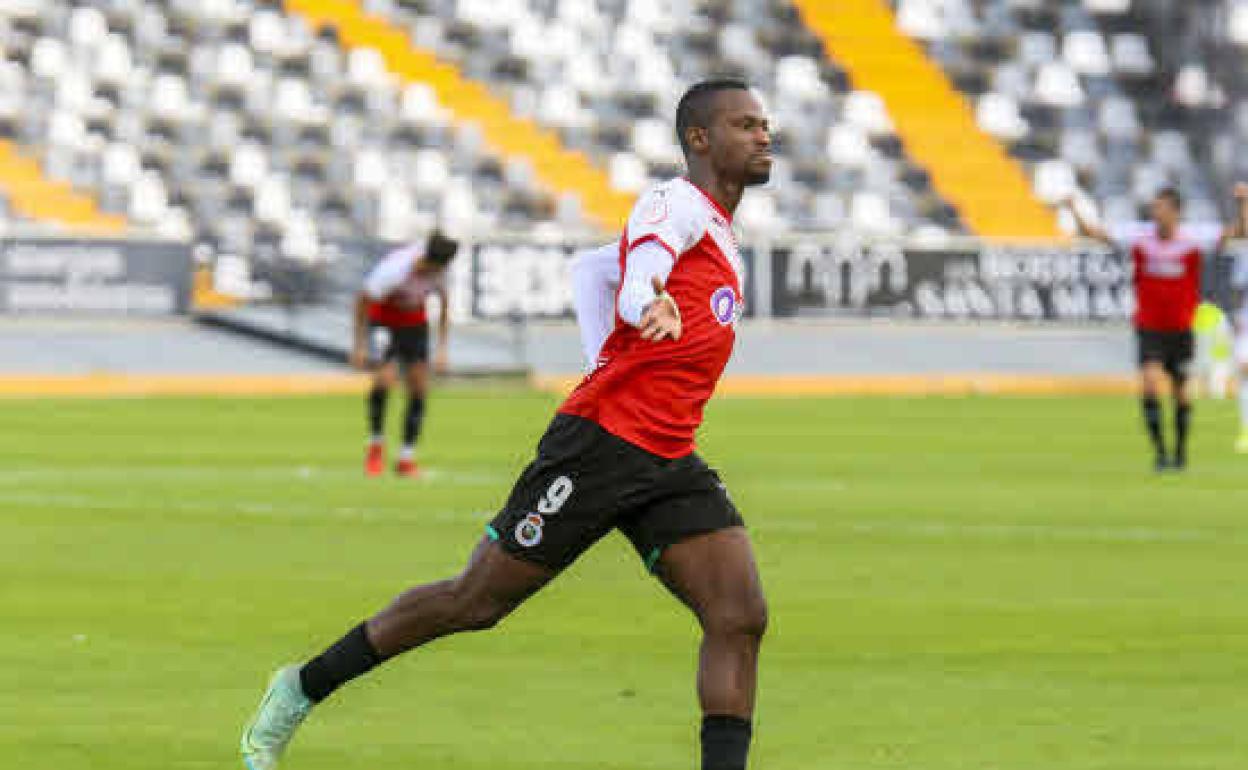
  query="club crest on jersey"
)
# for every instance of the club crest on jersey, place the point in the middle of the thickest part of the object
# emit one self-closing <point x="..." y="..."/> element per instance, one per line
<point x="725" y="306"/>
<point x="657" y="211"/>
<point x="529" y="530"/>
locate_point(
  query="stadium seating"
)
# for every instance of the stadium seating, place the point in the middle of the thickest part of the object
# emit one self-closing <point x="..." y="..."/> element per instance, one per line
<point x="1075" y="90"/>
<point x="237" y="123"/>
<point x="615" y="97"/>
<point x="242" y="124"/>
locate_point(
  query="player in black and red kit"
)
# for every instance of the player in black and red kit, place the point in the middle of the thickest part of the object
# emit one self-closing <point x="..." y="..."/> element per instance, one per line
<point x="618" y="455"/>
<point x="1166" y="269"/>
<point x="391" y="334"/>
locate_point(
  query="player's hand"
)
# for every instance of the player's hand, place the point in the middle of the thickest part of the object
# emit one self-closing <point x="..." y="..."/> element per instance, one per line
<point x="661" y="320"/>
<point x="359" y="358"/>
<point x="440" y="366"/>
<point x="1240" y="191"/>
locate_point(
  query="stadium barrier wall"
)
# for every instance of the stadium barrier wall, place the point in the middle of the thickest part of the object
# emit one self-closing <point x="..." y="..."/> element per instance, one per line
<point x="509" y="277"/>
<point x="817" y="275"/>
<point x="94" y="276"/>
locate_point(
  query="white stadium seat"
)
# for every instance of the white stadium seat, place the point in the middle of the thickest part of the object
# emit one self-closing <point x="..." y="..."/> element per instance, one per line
<point x="999" y="115"/>
<point x="1057" y="85"/>
<point x="1085" y="52"/>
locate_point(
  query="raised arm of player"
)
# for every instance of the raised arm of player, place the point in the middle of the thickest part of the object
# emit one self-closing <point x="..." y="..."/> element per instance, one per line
<point x="1086" y="228"/>
<point x="1238" y="227"/>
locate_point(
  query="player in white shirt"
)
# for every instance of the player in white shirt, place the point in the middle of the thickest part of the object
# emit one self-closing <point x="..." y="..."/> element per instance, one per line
<point x="1239" y="314"/>
<point x="392" y="332"/>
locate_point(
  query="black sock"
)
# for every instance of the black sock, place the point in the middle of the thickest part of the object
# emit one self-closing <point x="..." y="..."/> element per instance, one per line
<point x="415" y="416"/>
<point x="377" y="410"/>
<point x="725" y="742"/>
<point x="1152" y="418"/>
<point x="344" y="660"/>
<point x="1182" y="418"/>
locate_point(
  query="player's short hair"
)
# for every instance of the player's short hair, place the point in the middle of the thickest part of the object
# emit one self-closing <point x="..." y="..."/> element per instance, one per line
<point x="1171" y="194"/>
<point x="694" y="109"/>
<point x="440" y="250"/>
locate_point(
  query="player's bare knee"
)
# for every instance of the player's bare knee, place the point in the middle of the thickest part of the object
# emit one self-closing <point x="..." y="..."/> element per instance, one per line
<point x="744" y="618"/>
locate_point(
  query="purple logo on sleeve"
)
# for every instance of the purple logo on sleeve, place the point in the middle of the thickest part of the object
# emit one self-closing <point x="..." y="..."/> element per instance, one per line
<point x="725" y="306"/>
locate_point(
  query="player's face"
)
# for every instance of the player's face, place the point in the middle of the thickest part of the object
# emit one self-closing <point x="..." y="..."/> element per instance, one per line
<point x="1165" y="213"/>
<point x="740" y="138"/>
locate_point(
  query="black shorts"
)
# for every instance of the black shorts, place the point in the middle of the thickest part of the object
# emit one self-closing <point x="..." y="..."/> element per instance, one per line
<point x="1173" y="350"/>
<point x="405" y="344"/>
<point x="586" y="482"/>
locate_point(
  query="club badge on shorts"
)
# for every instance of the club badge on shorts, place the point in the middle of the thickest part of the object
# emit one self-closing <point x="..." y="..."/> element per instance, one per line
<point x="726" y="306"/>
<point x="529" y="530"/>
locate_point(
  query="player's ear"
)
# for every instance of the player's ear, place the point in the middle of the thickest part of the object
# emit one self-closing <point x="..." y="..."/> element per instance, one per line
<point x="698" y="138"/>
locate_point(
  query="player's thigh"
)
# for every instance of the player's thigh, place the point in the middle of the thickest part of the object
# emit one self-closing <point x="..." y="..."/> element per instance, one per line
<point x="687" y="500"/>
<point x="385" y="374"/>
<point x="1179" y="354"/>
<point x="569" y="497"/>
<point x="716" y="575"/>
<point x="416" y="375"/>
<point x="411" y="344"/>
<point x="497" y="580"/>
<point x="1153" y="376"/>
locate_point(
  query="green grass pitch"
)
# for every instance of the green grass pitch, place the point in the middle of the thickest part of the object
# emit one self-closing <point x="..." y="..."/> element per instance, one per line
<point x="955" y="584"/>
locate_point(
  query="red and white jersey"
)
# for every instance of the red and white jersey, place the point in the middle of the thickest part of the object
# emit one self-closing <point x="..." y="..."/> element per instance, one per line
<point x="652" y="394"/>
<point x="397" y="293"/>
<point x="1167" y="279"/>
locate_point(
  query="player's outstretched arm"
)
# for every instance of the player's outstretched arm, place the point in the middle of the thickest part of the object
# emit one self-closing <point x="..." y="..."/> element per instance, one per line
<point x="1238" y="227"/>
<point x="1086" y="229"/>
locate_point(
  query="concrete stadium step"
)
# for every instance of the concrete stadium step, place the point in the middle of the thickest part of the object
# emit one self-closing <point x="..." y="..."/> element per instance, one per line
<point x="558" y="168"/>
<point x="34" y="196"/>
<point x="969" y="168"/>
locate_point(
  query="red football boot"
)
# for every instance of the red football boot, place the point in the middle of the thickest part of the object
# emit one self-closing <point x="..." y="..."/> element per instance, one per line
<point x="407" y="468"/>
<point x="375" y="460"/>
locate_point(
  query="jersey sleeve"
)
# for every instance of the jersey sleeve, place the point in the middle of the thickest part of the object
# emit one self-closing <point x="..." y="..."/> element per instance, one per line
<point x="389" y="273"/>
<point x="666" y="215"/>
<point x="595" y="278"/>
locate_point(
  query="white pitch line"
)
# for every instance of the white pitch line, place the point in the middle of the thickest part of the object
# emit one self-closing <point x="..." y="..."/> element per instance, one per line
<point x="247" y="508"/>
<point x="307" y="473"/>
<point x="924" y="529"/>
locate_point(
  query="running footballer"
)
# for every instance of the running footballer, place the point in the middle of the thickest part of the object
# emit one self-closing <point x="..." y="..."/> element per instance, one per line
<point x="619" y="454"/>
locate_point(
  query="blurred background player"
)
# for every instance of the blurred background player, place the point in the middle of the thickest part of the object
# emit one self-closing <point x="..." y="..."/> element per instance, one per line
<point x="392" y="334"/>
<point x="595" y="282"/>
<point x="1166" y="271"/>
<point x="1239" y="312"/>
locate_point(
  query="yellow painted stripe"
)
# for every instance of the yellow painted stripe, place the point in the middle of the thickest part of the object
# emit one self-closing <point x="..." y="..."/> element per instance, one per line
<point x="102" y="385"/>
<point x="900" y="385"/>
<point x="35" y="197"/>
<point x="969" y="168"/>
<point x="556" y="167"/>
